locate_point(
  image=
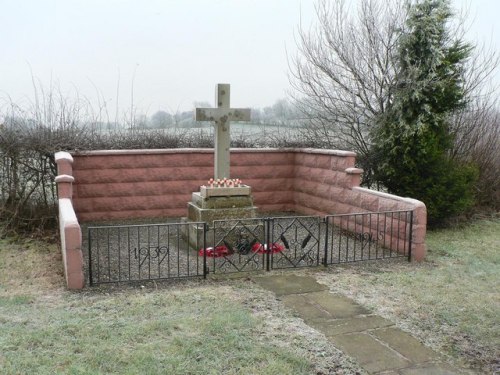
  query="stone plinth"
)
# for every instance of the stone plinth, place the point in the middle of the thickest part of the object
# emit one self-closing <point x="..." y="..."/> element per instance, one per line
<point x="208" y="215"/>
<point x="221" y="202"/>
<point x="243" y="190"/>
<point x="218" y="203"/>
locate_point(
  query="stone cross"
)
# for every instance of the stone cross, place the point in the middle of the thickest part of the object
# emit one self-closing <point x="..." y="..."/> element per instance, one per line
<point x="222" y="115"/>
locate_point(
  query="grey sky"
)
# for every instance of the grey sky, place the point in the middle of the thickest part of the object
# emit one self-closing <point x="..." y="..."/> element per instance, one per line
<point x="177" y="50"/>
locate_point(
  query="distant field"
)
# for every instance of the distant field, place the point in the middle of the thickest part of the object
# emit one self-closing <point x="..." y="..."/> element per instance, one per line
<point x="237" y="129"/>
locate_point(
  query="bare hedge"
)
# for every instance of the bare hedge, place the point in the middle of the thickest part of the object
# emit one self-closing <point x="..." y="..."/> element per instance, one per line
<point x="30" y="138"/>
<point x="27" y="166"/>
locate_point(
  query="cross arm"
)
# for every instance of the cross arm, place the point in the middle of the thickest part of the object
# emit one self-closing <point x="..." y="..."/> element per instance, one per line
<point x="222" y="114"/>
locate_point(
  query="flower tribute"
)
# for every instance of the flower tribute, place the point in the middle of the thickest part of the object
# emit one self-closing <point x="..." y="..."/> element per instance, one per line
<point x="225" y="182"/>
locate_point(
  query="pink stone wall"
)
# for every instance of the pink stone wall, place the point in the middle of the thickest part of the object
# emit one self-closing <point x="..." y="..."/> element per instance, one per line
<point x="119" y="185"/>
<point x="131" y="184"/>
<point x="321" y="182"/>
<point x="152" y="183"/>
<point x="155" y="183"/>
<point x="69" y="228"/>
<point x="71" y="245"/>
<point x="158" y="183"/>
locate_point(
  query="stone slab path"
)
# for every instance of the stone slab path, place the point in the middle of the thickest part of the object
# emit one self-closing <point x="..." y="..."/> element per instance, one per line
<point x="377" y="345"/>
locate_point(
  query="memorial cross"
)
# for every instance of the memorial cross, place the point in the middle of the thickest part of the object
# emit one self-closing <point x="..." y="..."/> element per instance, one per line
<point x="222" y="115"/>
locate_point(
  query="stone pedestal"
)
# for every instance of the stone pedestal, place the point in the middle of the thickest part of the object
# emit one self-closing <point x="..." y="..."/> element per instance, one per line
<point x="217" y="203"/>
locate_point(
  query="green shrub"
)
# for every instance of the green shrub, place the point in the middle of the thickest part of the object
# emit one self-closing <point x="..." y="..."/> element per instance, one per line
<point x="413" y="139"/>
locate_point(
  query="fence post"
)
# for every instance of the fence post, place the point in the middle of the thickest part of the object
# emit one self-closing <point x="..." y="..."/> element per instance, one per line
<point x="410" y="237"/>
<point x="325" y="255"/>
<point x="205" y="268"/>
<point x="267" y="252"/>
<point x="91" y="280"/>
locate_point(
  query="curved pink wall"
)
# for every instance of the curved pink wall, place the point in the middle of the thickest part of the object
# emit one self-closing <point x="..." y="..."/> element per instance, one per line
<point x="69" y="228"/>
<point x="154" y="183"/>
<point x="106" y="185"/>
<point x="158" y="183"/>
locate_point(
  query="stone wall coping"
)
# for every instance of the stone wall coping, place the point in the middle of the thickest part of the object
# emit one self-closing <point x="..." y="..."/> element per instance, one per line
<point x="210" y="151"/>
<point x="266" y="150"/>
<point x="63" y="155"/>
<point x="325" y="152"/>
<point x="416" y="203"/>
<point x="354" y="171"/>
<point x="64" y="178"/>
<point x="295" y="150"/>
<point x="144" y="152"/>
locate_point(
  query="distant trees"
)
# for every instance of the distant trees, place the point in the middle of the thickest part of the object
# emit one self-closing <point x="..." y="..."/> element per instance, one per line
<point x="161" y="119"/>
<point x="282" y="112"/>
<point x="165" y="120"/>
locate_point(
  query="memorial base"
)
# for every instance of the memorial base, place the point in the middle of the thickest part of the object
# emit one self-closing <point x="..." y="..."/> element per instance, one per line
<point x="217" y="204"/>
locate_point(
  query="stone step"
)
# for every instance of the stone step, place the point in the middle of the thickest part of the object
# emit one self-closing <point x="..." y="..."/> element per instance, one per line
<point x="198" y="214"/>
<point x="221" y="202"/>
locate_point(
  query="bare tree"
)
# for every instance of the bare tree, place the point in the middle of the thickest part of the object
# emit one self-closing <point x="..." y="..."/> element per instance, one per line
<point x="477" y="142"/>
<point x="344" y="76"/>
<point x="344" y="72"/>
<point x="476" y="127"/>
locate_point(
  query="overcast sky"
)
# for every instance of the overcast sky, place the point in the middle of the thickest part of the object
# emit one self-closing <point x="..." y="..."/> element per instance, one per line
<point x="173" y="51"/>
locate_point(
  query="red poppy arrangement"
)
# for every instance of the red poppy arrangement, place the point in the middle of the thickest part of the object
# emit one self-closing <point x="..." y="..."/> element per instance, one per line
<point x="219" y="251"/>
<point x="222" y="250"/>
<point x="262" y="249"/>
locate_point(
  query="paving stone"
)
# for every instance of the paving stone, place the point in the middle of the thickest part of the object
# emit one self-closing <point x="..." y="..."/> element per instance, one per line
<point x="350" y="325"/>
<point x="431" y="369"/>
<point x="405" y="344"/>
<point x="290" y="284"/>
<point x="369" y="339"/>
<point x="371" y="354"/>
<point x="307" y="311"/>
<point x="338" y="306"/>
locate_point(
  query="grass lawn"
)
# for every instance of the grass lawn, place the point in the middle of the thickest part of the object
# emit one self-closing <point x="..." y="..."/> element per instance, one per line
<point x="191" y="327"/>
<point x="451" y="302"/>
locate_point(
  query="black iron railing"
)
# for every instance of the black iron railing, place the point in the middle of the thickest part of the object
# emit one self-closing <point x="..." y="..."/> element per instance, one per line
<point x="180" y="250"/>
<point x="298" y="240"/>
<point x="145" y="252"/>
<point x="368" y="236"/>
<point x="266" y="243"/>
